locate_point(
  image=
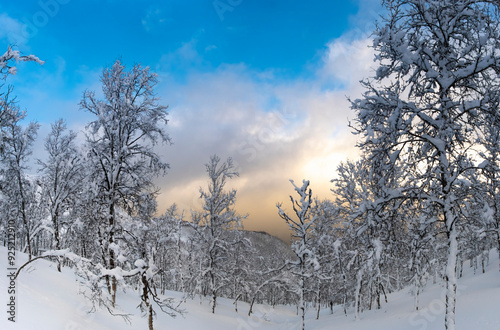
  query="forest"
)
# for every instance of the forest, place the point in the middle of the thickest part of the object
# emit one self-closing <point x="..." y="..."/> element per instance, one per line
<point x="421" y="200"/>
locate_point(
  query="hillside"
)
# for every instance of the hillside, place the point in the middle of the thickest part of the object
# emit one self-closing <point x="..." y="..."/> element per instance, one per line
<point x="49" y="300"/>
<point x="269" y="246"/>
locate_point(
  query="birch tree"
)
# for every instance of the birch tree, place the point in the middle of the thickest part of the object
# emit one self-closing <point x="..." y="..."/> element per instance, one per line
<point x="306" y="263"/>
<point x="490" y="140"/>
<point x="129" y="124"/>
<point x="62" y="174"/>
<point x="217" y="226"/>
<point x="10" y="117"/>
<point x="437" y="76"/>
<point x="17" y="143"/>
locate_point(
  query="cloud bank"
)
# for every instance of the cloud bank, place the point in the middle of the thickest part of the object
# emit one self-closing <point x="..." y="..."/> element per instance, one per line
<point x="274" y="129"/>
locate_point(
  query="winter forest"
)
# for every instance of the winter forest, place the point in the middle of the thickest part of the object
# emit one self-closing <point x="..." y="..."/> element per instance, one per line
<point x="420" y="205"/>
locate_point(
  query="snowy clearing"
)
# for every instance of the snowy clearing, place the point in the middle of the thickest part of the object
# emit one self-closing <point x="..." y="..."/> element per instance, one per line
<point x="49" y="300"/>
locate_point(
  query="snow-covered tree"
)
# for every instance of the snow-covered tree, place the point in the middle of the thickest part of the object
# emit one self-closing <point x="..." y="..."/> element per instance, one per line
<point x="129" y="123"/>
<point x="438" y="64"/>
<point x="143" y="237"/>
<point x="269" y="281"/>
<point x="6" y="69"/>
<point x="325" y="230"/>
<point x="490" y="140"/>
<point x="62" y="174"/>
<point x="7" y="115"/>
<point x="217" y="227"/>
<point x="366" y="227"/>
<point x="476" y="235"/>
<point x="18" y="191"/>
<point x="425" y="252"/>
<point x="168" y="250"/>
<point x="306" y="264"/>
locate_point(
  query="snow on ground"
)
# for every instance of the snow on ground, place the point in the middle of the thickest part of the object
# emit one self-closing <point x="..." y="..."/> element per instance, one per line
<point x="49" y="300"/>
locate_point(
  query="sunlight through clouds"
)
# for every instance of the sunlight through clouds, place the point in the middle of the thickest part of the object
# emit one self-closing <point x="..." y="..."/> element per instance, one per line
<point x="262" y="87"/>
<point x="304" y="134"/>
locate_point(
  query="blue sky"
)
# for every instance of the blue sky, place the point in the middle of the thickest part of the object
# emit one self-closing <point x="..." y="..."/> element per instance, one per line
<point x="262" y="34"/>
<point x="264" y="82"/>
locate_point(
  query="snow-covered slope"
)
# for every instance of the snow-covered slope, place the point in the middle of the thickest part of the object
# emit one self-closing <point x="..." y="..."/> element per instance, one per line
<point x="49" y="300"/>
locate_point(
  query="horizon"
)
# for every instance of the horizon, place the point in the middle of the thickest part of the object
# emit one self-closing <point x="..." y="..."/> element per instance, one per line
<point x="265" y="83"/>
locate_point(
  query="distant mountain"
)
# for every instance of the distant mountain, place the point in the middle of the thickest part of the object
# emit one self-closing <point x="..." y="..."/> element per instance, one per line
<point x="269" y="246"/>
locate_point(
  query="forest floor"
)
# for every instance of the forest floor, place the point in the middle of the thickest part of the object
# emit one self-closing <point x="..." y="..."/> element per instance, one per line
<point x="48" y="300"/>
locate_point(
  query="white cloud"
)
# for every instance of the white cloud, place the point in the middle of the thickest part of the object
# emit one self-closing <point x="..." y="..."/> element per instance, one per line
<point x="185" y="57"/>
<point x="12" y="30"/>
<point x="275" y="130"/>
<point x="348" y="61"/>
<point x="363" y="23"/>
<point x="153" y="18"/>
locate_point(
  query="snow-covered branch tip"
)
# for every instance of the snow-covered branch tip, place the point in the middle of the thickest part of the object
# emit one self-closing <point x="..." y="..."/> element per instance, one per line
<point x="14" y="55"/>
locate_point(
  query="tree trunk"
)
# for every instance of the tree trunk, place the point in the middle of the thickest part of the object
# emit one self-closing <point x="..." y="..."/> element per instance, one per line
<point x="417" y="292"/>
<point x="357" y="294"/>
<point x="251" y="306"/>
<point x="28" y="235"/>
<point x="451" y="277"/>
<point x="236" y="303"/>
<point x="318" y="300"/>
<point x="379" y="306"/>
<point x="150" y="319"/>
<point x="104" y="258"/>
<point x="23" y="214"/>
<point x="214" y="291"/>
<point x="302" y="292"/>
<point x="57" y="240"/>
<point x="145" y="299"/>
<point x="214" y="301"/>
<point x="112" y="263"/>
<point x="498" y="247"/>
